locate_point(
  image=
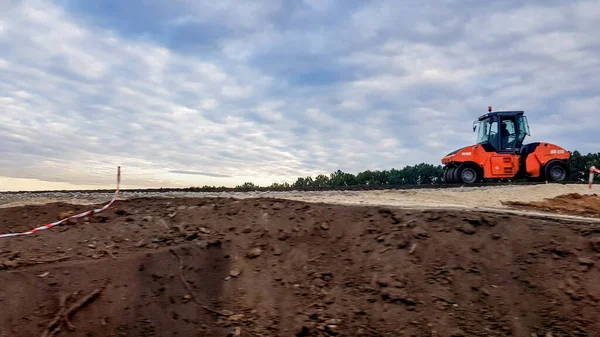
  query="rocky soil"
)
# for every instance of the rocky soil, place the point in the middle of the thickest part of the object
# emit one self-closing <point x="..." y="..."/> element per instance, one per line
<point x="275" y="267"/>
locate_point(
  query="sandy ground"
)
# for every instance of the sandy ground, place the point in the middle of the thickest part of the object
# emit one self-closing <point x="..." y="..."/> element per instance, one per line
<point x="489" y="197"/>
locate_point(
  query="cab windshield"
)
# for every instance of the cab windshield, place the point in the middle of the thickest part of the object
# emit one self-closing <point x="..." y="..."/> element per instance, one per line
<point x="485" y="130"/>
<point x="513" y="134"/>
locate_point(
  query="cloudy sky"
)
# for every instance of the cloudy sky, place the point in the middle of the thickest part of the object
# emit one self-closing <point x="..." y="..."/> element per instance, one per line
<point x="186" y="92"/>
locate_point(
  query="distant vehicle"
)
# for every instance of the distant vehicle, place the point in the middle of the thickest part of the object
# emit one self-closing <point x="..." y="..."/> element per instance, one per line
<point x="501" y="154"/>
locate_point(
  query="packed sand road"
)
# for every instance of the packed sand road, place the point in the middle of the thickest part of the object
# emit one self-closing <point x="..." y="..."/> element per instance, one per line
<point x="463" y="197"/>
<point x="277" y="267"/>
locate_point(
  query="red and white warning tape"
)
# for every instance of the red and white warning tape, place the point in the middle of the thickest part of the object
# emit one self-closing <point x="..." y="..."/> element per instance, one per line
<point x="593" y="170"/>
<point x="80" y="215"/>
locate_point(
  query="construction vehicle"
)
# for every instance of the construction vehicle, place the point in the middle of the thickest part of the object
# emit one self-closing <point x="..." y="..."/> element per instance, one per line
<point x="501" y="154"/>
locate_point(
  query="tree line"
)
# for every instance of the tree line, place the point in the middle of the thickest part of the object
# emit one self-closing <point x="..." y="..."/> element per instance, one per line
<point x="409" y="175"/>
<point x="580" y="166"/>
<point x="420" y="174"/>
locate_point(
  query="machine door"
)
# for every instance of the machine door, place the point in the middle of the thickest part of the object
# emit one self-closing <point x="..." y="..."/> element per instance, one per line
<point x="504" y="165"/>
<point x="508" y="140"/>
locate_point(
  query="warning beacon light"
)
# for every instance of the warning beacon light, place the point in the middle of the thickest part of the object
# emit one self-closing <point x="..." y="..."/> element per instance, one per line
<point x="489" y="108"/>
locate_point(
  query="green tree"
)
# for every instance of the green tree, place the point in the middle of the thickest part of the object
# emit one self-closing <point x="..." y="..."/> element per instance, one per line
<point x="580" y="165"/>
<point x="303" y="182"/>
<point x="339" y="178"/>
<point x="321" y="181"/>
<point x="247" y="186"/>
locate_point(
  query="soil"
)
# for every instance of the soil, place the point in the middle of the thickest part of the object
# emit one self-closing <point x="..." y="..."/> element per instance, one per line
<point x="276" y="267"/>
<point x="572" y="204"/>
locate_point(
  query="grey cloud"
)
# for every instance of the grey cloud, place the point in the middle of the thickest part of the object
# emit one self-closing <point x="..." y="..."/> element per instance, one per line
<point x="396" y="89"/>
<point x="216" y="175"/>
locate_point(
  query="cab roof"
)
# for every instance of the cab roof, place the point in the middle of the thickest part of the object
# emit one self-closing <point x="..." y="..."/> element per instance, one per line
<point x="501" y="114"/>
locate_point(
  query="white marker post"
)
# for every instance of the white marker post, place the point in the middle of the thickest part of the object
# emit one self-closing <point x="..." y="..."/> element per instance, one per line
<point x="593" y="170"/>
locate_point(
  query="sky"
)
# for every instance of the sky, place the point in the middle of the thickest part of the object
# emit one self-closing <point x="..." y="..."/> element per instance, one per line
<point x="189" y="93"/>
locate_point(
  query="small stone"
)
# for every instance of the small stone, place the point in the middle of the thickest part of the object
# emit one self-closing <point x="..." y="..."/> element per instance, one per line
<point x="148" y="218"/>
<point x="181" y="208"/>
<point x="380" y="238"/>
<point x="192" y="237"/>
<point x="277" y="251"/>
<point x="456" y="332"/>
<point x="319" y="283"/>
<point x="247" y="230"/>
<point x="284" y="236"/>
<point x="92" y="246"/>
<point x="333" y="321"/>
<point x="383" y="283"/>
<point x="235" y="318"/>
<point x="204" y="230"/>
<point x="8" y="264"/>
<point x="419" y="232"/>
<point x="586" y="261"/>
<point x="65" y="215"/>
<point x="496" y="236"/>
<point x="324" y="226"/>
<point x="226" y="313"/>
<point x="277" y="206"/>
<point x="235" y="273"/>
<point x="466" y="228"/>
<point x="595" y="244"/>
<point x="411" y="224"/>
<point x="254" y="253"/>
<point x="401" y="240"/>
<point x="395" y="295"/>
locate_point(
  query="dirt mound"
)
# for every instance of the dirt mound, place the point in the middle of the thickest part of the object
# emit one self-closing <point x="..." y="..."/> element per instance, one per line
<point x="265" y="267"/>
<point x="572" y="204"/>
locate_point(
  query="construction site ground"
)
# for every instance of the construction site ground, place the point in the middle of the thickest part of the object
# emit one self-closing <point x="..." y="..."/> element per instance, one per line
<point x="501" y="261"/>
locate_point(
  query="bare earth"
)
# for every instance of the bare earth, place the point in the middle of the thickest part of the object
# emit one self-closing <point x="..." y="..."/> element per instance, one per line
<point x="320" y="264"/>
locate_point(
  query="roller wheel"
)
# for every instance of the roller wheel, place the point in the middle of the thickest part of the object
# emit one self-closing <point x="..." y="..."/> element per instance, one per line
<point x="556" y="171"/>
<point x="449" y="175"/>
<point x="467" y="174"/>
<point x="446" y="175"/>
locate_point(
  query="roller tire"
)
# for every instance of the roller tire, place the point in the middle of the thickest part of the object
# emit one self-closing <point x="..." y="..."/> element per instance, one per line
<point x="449" y="176"/>
<point x="467" y="174"/>
<point x="556" y="171"/>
